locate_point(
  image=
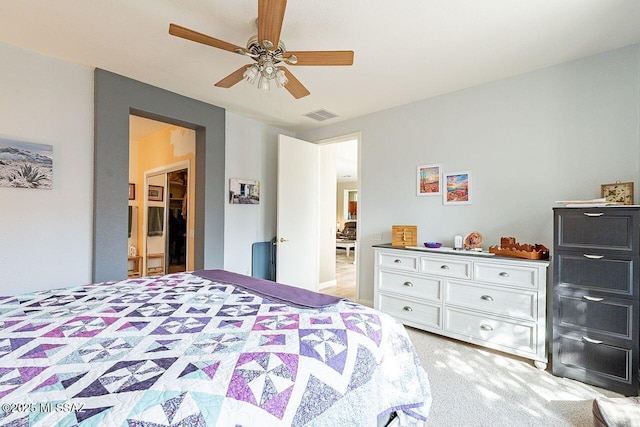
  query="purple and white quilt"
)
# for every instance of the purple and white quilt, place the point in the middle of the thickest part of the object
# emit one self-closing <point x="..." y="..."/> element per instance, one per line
<point x="183" y="350"/>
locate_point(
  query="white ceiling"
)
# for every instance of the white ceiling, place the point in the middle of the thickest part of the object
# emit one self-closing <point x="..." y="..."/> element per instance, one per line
<point x="404" y="50"/>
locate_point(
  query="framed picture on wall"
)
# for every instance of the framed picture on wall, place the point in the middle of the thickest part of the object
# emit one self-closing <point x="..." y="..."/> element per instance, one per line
<point x="244" y="191"/>
<point x="26" y="165"/>
<point x="457" y="189"/>
<point x="132" y="191"/>
<point x="618" y="192"/>
<point x="429" y="180"/>
<point x="156" y="193"/>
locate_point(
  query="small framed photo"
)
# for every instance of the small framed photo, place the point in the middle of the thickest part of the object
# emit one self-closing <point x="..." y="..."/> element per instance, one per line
<point x="132" y="191"/>
<point x="429" y="180"/>
<point x="244" y="191"/>
<point x="457" y="190"/>
<point x="156" y="193"/>
<point x="618" y="192"/>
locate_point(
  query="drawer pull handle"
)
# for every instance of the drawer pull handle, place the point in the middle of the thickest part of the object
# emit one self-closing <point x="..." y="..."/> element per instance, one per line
<point x="591" y="341"/>
<point x="486" y="327"/>
<point x="444" y="267"/>
<point x="407" y="308"/>
<point x="487" y="297"/>
<point x="503" y="274"/>
<point x="593" y="214"/>
<point x="593" y="256"/>
<point x="594" y="299"/>
<point x="409" y="284"/>
<point x="398" y="261"/>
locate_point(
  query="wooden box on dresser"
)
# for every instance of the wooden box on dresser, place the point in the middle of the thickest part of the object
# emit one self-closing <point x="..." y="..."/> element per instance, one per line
<point x="595" y="296"/>
<point x="491" y="301"/>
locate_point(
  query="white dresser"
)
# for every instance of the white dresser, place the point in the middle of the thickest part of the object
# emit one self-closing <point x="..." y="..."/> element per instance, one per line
<point x="491" y="301"/>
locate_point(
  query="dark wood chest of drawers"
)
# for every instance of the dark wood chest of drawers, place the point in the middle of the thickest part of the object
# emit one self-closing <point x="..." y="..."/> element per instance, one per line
<point x="596" y="280"/>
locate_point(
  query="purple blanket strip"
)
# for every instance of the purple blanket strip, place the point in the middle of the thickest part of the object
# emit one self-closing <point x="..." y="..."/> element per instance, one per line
<point x="290" y="294"/>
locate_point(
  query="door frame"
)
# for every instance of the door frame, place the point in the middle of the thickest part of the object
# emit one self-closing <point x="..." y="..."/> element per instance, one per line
<point x="163" y="170"/>
<point x="343" y="138"/>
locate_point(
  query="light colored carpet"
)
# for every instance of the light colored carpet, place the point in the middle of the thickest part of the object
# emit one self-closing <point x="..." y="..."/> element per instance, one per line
<point x="474" y="386"/>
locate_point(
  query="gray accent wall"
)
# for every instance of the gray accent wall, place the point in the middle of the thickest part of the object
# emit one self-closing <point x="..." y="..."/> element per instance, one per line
<point x="553" y="134"/>
<point x="115" y="98"/>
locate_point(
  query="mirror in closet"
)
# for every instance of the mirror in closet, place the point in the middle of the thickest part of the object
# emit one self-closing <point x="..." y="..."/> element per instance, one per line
<point x="167" y="214"/>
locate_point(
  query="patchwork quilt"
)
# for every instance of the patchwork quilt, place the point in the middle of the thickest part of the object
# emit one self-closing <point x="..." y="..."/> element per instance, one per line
<point x="183" y="350"/>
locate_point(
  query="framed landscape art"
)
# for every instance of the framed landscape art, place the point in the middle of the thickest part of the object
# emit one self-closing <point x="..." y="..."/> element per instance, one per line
<point x="26" y="165"/>
<point x="457" y="188"/>
<point x="429" y="180"/>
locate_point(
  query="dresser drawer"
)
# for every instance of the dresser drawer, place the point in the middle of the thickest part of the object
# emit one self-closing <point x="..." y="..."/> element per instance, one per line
<point x="614" y="229"/>
<point x="596" y="272"/>
<point x="595" y="362"/>
<point x="398" y="261"/>
<point x="500" y="301"/>
<point x="514" y="335"/>
<point x="429" y="288"/>
<point x="447" y="267"/>
<point x="610" y="316"/>
<point x="415" y="312"/>
<point x="524" y="277"/>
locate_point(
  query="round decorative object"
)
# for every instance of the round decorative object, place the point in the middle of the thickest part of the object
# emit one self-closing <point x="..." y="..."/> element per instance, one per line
<point x="132" y="250"/>
<point x="473" y="240"/>
<point x="432" y="244"/>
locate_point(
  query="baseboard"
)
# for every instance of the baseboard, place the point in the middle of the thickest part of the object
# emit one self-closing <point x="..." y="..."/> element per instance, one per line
<point x="328" y="284"/>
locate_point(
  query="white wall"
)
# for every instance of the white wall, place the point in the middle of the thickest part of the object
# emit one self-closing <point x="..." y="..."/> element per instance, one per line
<point x="45" y="235"/>
<point x="529" y="140"/>
<point x="251" y="153"/>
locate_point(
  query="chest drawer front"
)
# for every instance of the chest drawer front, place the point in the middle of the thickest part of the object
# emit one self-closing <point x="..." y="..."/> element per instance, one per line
<point x="613" y="317"/>
<point x="415" y="312"/>
<point x="515" y="335"/>
<point x="429" y="288"/>
<point x="500" y="301"/>
<point x="594" y="362"/>
<point x="614" y="229"/>
<point x="524" y="277"/>
<point x="398" y="261"/>
<point x="447" y="267"/>
<point x="604" y="273"/>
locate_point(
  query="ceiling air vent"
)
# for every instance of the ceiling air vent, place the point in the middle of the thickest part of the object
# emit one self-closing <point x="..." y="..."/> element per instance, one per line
<point x="321" y="115"/>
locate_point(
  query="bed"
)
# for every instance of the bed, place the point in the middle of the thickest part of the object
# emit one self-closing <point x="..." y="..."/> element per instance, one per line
<point x="204" y="348"/>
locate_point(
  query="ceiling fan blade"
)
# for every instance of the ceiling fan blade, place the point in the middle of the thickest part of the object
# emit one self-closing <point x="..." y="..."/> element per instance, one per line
<point x="270" y="17"/>
<point x="294" y="86"/>
<point x="322" y="57"/>
<point x="185" y="33"/>
<point x="232" y="78"/>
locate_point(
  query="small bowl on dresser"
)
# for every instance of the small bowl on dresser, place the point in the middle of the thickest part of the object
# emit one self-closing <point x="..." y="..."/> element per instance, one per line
<point x="432" y="245"/>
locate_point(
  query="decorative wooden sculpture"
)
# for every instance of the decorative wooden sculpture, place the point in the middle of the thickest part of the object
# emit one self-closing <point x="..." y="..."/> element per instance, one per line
<point x="511" y="248"/>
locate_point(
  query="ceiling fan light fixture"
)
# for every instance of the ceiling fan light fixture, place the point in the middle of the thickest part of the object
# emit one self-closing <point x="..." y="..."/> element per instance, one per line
<point x="251" y="74"/>
<point x="268" y="51"/>
<point x="263" y="83"/>
<point x="268" y="68"/>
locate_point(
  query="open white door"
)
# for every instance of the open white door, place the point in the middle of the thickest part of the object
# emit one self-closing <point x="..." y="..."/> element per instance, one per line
<point x="297" y="217"/>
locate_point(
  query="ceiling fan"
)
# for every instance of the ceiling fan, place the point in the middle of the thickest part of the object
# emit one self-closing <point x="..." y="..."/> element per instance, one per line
<point x="268" y="52"/>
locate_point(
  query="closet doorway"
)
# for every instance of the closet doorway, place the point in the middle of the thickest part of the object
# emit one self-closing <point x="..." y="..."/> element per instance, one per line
<point x="166" y="219"/>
